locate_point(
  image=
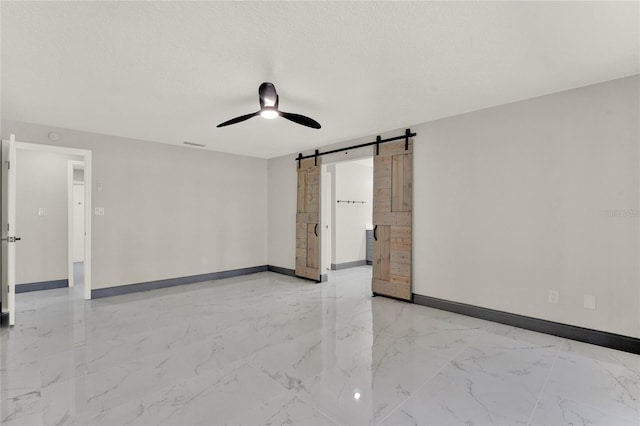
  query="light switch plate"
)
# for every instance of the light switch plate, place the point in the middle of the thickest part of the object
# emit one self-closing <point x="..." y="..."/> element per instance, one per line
<point x="99" y="211"/>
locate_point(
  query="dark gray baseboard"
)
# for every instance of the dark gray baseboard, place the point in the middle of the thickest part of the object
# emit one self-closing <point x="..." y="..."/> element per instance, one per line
<point x="172" y="282"/>
<point x="587" y="335"/>
<point x="4" y="319"/>
<point x="292" y="273"/>
<point x="346" y="265"/>
<point x="43" y="285"/>
<point x="280" y="270"/>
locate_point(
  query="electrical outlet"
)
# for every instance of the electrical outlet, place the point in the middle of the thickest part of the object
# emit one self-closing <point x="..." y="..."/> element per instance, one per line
<point x="589" y="301"/>
<point x="554" y="296"/>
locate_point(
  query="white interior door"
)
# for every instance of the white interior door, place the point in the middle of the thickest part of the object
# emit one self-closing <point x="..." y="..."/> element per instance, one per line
<point x="9" y="228"/>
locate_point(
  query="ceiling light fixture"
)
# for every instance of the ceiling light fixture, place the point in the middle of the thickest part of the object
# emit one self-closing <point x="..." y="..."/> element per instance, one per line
<point x="269" y="109"/>
<point x="269" y="113"/>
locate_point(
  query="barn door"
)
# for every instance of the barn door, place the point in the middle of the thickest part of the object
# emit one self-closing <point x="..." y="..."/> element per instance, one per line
<point x="308" y="219"/>
<point x="392" y="206"/>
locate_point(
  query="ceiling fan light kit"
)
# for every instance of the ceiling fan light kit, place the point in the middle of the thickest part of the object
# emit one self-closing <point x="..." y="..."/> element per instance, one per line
<point x="269" y="113"/>
<point x="269" y="100"/>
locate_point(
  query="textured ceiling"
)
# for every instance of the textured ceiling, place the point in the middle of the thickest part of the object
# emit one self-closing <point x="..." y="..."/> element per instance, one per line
<point x="171" y="71"/>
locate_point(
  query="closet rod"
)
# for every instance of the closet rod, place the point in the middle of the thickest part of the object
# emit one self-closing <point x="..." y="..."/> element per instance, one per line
<point x="378" y="141"/>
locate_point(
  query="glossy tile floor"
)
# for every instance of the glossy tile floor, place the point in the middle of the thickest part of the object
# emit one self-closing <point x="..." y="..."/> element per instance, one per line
<point x="270" y="349"/>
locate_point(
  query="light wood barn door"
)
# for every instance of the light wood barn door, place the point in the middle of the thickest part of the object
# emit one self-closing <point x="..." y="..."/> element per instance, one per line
<point x="392" y="207"/>
<point x="308" y="220"/>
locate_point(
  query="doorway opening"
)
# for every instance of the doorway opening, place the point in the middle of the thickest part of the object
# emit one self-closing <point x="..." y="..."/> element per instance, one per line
<point x="76" y="223"/>
<point x="347" y="213"/>
<point x="47" y="188"/>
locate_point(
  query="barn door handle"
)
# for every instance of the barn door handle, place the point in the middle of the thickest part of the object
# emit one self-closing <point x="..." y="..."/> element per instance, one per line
<point x="375" y="232"/>
<point x="315" y="230"/>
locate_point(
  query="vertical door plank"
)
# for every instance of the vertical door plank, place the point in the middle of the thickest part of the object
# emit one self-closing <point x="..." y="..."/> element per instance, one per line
<point x="397" y="183"/>
<point x="312" y="245"/>
<point x="302" y="191"/>
<point x="392" y="211"/>
<point x="401" y="256"/>
<point x="381" y="253"/>
<point x="385" y="252"/>
<point x="376" y="262"/>
<point x="407" y="183"/>
<point x="307" y="219"/>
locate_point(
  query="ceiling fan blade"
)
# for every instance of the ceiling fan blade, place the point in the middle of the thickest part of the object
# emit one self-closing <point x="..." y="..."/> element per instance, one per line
<point x="300" y="119"/>
<point x="238" y="119"/>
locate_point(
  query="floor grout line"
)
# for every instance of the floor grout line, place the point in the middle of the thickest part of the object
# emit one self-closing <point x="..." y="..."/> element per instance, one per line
<point x="544" y="386"/>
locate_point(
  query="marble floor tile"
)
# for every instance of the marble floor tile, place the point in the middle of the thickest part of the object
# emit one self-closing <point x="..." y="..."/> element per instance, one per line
<point x="612" y="387"/>
<point x="285" y="409"/>
<point x="20" y="375"/>
<point x="601" y="354"/>
<point x="272" y="349"/>
<point x="365" y="387"/>
<point x="19" y="402"/>
<point x="209" y="399"/>
<point x="554" y="410"/>
<point x="458" y="397"/>
<point x="295" y="360"/>
<point x="518" y="362"/>
<point x="28" y="420"/>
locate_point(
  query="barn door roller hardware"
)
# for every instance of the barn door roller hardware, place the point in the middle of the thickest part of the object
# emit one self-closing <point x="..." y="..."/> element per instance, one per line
<point x="377" y="142"/>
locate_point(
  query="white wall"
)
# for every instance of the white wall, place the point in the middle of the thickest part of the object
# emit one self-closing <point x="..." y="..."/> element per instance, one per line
<point x="169" y="211"/>
<point x="282" y="187"/>
<point x="41" y="183"/>
<point x="515" y="200"/>
<point x="511" y="202"/>
<point x="353" y="181"/>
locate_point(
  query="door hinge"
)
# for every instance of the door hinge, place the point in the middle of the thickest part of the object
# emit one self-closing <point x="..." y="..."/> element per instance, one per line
<point x="8" y="165"/>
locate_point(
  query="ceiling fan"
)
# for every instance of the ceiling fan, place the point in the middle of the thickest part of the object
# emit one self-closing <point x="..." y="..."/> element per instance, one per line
<point x="269" y="109"/>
